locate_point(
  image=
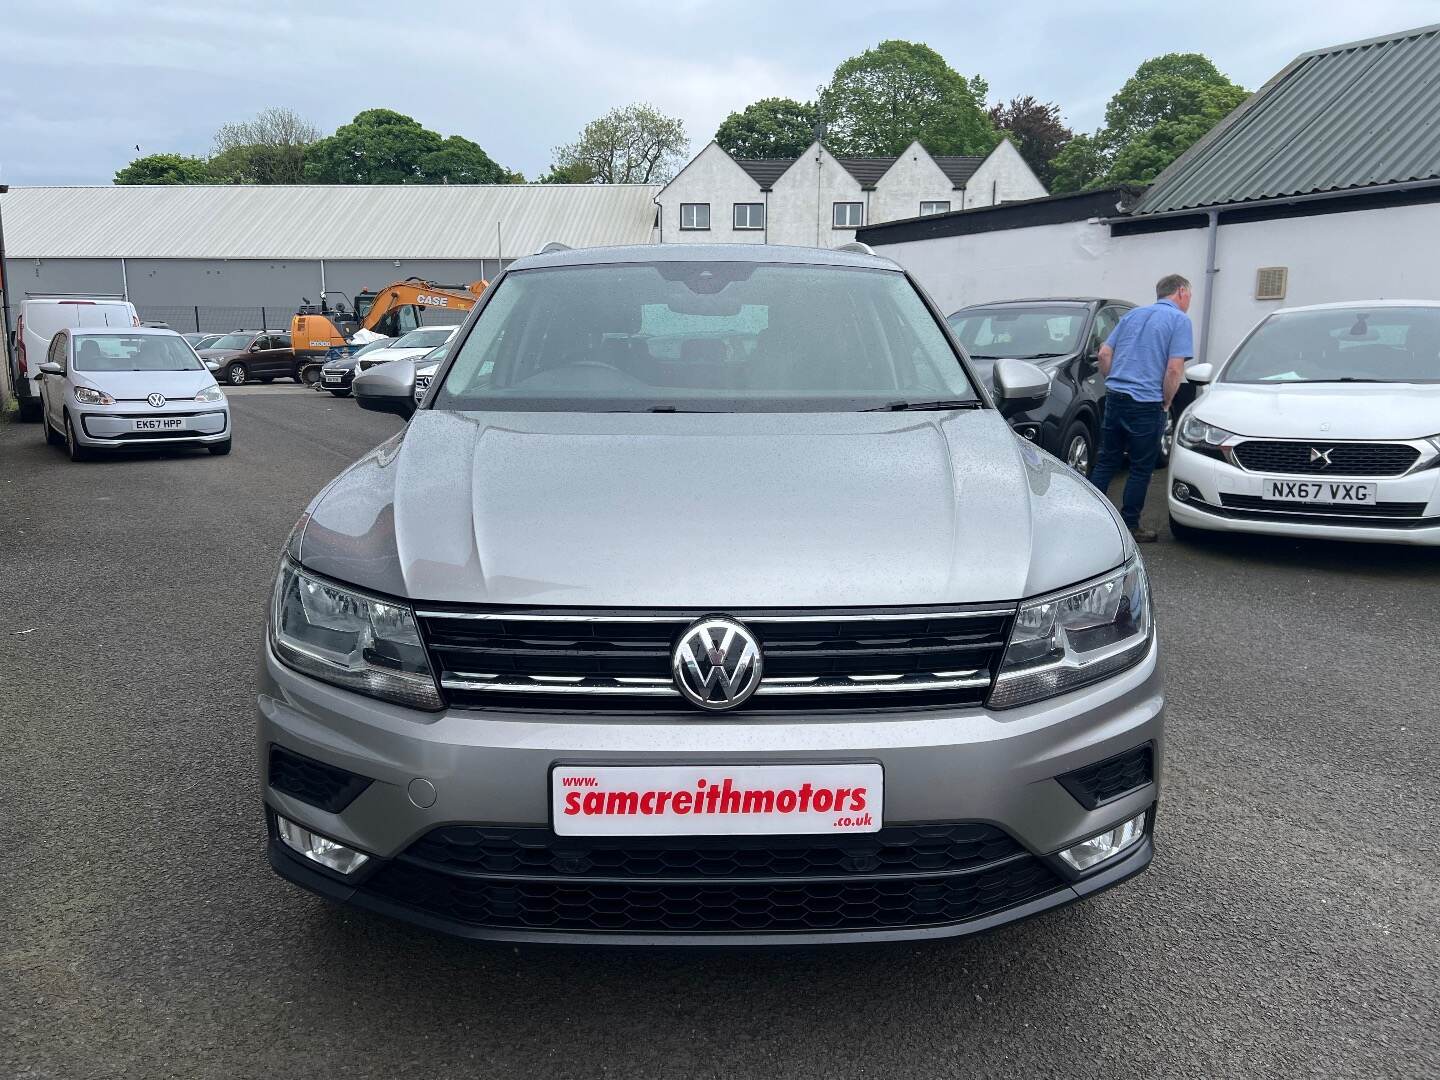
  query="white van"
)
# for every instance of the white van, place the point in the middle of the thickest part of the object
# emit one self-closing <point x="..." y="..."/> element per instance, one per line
<point x="41" y="318"/>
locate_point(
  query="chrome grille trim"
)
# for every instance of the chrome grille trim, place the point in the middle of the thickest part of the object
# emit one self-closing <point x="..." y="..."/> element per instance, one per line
<point x="686" y="620"/>
<point x="849" y="684"/>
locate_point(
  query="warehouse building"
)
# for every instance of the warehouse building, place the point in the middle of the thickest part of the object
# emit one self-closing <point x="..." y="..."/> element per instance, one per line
<point x="1324" y="186"/>
<point x="227" y="257"/>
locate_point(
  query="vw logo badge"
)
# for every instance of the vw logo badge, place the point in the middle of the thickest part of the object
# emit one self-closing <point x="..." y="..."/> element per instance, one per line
<point x="717" y="663"/>
<point x="156" y="400"/>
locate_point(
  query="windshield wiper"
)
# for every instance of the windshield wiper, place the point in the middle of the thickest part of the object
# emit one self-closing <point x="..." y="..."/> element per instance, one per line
<point x="921" y="406"/>
<point x="1016" y="356"/>
<point x="1344" y="378"/>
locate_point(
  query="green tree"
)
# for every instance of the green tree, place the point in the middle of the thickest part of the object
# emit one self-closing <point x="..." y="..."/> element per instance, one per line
<point x="634" y="145"/>
<point x="460" y="161"/>
<point x="1038" y="131"/>
<point x="270" y="149"/>
<point x="574" y="172"/>
<point x="381" y="146"/>
<point x="900" y="91"/>
<point x="1169" y="104"/>
<point x="769" y="128"/>
<point x="163" y="169"/>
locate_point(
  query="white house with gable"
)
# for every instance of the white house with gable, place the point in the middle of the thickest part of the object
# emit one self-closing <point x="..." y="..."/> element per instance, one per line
<point x="819" y="199"/>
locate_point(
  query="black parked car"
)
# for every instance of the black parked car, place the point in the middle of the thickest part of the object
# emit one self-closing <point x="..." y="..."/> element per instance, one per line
<point x="337" y="375"/>
<point x="1063" y="336"/>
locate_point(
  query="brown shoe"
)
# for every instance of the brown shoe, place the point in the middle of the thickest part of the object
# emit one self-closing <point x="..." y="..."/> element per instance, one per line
<point x="1143" y="535"/>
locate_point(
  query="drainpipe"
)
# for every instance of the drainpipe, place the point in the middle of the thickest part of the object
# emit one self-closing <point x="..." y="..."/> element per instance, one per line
<point x="1212" y="230"/>
<point x="124" y="281"/>
<point x="322" y="279"/>
<point x="10" y="369"/>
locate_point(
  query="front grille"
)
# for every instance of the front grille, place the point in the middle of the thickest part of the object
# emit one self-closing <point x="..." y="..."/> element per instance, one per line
<point x="912" y="849"/>
<point x="529" y="879"/>
<point x="1105" y="781"/>
<point x="621" y="662"/>
<point x="1320" y="511"/>
<point x="326" y="786"/>
<point x="1345" y="459"/>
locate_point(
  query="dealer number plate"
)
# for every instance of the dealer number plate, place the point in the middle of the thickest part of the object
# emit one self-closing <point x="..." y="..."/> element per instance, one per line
<point x="176" y="423"/>
<point x="1320" y="491"/>
<point x="736" y="800"/>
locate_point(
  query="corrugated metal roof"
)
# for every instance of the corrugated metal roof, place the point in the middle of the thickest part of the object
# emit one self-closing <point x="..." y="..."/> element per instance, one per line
<point x="1347" y="117"/>
<point x="318" y="222"/>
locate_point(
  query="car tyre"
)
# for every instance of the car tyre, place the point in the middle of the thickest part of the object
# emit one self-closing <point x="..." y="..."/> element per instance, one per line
<point x="31" y="410"/>
<point x="236" y="374"/>
<point x="308" y="375"/>
<point x="72" y="446"/>
<point x="1078" y="448"/>
<point x="219" y="449"/>
<point x="1186" y="534"/>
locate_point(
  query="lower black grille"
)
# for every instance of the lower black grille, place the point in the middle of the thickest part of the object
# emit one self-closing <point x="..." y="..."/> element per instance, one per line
<point x="1324" y="510"/>
<point x="1105" y="781"/>
<point x="900" y="878"/>
<point x="917" y="849"/>
<point x="314" y="782"/>
<point x="1330" y="459"/>
<point x="588" y="660"/>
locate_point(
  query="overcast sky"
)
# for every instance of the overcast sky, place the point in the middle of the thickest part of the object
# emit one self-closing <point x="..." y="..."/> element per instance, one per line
<point x="82" y="82"/>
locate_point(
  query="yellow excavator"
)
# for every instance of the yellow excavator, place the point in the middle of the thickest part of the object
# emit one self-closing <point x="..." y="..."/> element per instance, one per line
<point x="324" y="331"/>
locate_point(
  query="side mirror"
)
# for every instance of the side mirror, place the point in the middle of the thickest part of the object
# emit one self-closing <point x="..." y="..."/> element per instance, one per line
<point x="255" y="347"/>
<point x="1200" y="373"/>
<point x="51" y="369"/>
<point x="387" y="388"/>
<point x="213" y="365"/>
<point x="1019" y="382"/>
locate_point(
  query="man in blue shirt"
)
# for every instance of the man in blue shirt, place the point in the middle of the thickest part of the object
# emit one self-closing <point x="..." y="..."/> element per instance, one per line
<point x="1143" y="363"/>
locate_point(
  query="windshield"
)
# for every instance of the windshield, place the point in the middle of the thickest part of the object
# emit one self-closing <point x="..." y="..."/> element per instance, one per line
<point x="1013" y="330"/>
<point x="374" y="346"/>
<point x="424" y="339"/>
<point x="147" y="352"/>
<point x="1384" y="344"/>
<point x="703" y="336"/>
<point x="206" y="341"/>
<point x="231" y="341"/>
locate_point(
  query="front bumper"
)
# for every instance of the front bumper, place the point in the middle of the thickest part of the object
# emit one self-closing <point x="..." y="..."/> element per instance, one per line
<point x="1211" y="481"/>
<point x="114" y="425"/>
<point x="488" y="768"/>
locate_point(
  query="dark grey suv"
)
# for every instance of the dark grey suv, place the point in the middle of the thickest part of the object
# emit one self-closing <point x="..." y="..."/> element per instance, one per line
<point x="708" y="598"/>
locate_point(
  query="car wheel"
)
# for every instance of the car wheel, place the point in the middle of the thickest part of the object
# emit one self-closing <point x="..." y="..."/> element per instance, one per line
<point x="1078" y="447"/>
<point x="235" y="374"/>
<point x="1167" y="440"/>
<point x="340" y="393"/>
<point x="72" y="446"/>
<point x="308" y="376"/>
<point x="53" y="437"/>
<point x="1185" y="533"/>
<point x="219" y="449"/>
<point x="31" y="410"/>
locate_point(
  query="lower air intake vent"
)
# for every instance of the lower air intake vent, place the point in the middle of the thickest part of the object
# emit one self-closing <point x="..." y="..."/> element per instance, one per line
<point x="326" y="786"/>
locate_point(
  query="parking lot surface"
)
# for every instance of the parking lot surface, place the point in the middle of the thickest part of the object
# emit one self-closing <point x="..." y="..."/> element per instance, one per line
<point x="1290" y="924"/>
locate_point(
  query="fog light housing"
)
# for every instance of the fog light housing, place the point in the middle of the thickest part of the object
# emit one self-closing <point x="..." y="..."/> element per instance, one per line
<point x="1029" y="432"/>
<point x="1107" y="845"/>
<point x="330" y="854"/>
<point x="1182" y="491"/>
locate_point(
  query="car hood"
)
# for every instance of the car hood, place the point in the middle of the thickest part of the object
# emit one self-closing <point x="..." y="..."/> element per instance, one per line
<point x="718" y="511"/>
<point x="138" y="385"/>
<point x="386" y="355"/>
<point x="1324" y="410"/>
<point x="222" y="354"/>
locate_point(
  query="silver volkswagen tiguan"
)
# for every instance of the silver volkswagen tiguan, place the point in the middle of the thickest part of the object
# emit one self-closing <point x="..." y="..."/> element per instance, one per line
<point x="707" y="598"/>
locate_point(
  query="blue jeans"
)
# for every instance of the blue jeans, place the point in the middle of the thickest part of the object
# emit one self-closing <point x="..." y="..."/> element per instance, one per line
<point x="1134" y="427"/>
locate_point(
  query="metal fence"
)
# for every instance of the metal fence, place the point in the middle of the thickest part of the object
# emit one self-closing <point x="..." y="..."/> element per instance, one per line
<point x="217" y="320"/>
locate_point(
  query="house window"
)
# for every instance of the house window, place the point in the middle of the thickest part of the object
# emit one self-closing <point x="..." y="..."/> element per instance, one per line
<point x="928" y="208"/>
<point x="847" y="215"/>
<point x="694" y="215"/>
<point x="749" y="215"/>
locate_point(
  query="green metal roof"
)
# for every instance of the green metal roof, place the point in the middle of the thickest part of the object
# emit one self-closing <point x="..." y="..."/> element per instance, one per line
<point x="1338" y="119"/>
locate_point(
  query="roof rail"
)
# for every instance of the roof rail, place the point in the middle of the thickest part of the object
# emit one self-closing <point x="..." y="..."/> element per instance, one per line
<point x="554" y="245"/>
<point x="74" y="296"/>
<point x="855" y="247"/>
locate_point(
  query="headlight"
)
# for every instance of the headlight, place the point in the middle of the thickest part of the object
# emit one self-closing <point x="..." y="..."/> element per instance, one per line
<point x="1068" y="640"/>
<point x="86" y="396"/>
<point x="1203" y="438"/>
<point x="210" y="393"/>
<point x="356" y="641"/>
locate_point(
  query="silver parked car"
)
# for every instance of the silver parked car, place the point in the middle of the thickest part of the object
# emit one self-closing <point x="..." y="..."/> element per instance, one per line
<point x="708" y="598"/>
<point x="141" y="387"/>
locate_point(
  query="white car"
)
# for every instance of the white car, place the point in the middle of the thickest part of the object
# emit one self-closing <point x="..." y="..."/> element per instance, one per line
<point x="409" y="346"/>
<point x="118" y="389"/>
<point x="41" y="318"/>
<point x="1324" y="422"/>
